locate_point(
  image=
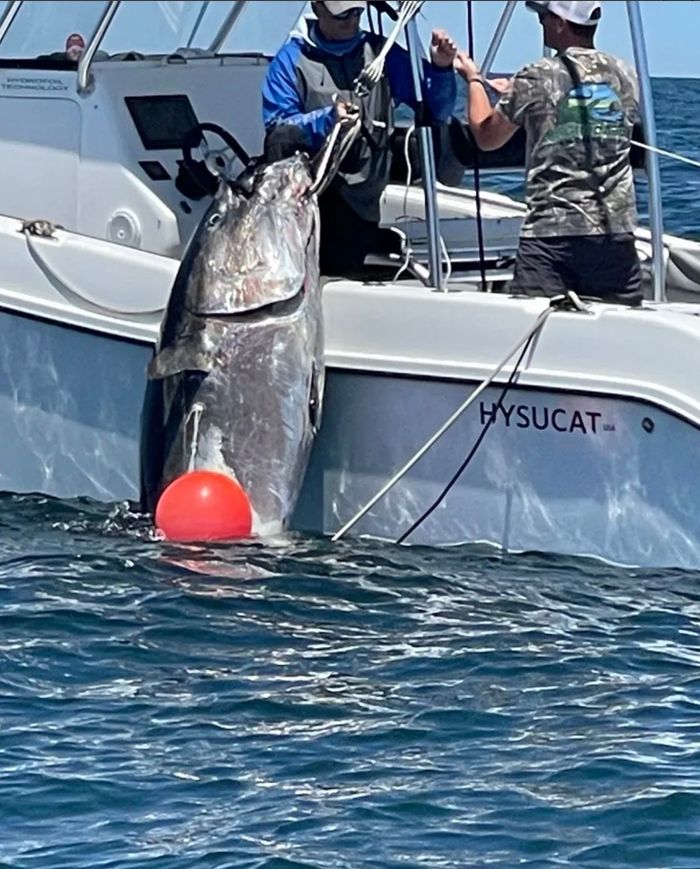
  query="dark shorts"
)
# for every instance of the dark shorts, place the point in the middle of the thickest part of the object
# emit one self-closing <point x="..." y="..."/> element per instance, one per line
<point x="594" y="266"/>
<point x="346" y="238"/>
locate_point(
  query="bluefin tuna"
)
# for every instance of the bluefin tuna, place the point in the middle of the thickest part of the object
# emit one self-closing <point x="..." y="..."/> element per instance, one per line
<point x="236" y="384"/>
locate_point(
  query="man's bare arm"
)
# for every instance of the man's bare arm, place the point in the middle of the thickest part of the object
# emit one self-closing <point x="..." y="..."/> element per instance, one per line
<point x="490" y="129"/>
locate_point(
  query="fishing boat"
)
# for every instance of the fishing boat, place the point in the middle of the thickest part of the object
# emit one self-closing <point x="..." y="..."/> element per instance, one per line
<point x="454" y="413"/>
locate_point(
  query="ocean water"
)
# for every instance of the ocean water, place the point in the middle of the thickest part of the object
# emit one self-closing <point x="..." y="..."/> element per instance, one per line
<point x="310" y="705"/>
<point x="677" y="132"/>
<point x="304" y="705"/>
<point x="678" y="126"/>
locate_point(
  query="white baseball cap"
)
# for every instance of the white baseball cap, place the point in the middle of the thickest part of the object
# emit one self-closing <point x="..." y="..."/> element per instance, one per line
<point x="585" y="12"/>
<point x="337" y="7"/>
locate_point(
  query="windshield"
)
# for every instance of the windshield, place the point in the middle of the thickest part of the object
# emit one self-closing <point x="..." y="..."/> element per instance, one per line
<point x="44" y="29"/>
<point x="162" y="26"/>
<point x="264" y="25"/>
<point x="149" y="27"/>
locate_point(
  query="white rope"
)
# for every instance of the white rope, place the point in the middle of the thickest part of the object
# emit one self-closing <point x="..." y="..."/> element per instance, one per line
<point x="670" y="154"/>
<point x="445" y="258"/>
<point x="197" y="412"/>
<point x="409" y="167"/>
<point x="334" y="154"/>
<point x="404" y="212"/>
<point x="539" y="323"/>
<point x="322" y="169"/>
<point x="404" y="216"/>
<point x="72" y="294"/>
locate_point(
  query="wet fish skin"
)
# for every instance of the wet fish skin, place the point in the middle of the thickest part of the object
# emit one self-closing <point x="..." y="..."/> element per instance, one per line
<point x="237" y="382"/>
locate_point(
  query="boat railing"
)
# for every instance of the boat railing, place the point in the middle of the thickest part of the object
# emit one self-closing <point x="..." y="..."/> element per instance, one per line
<point x="499" y="33"/>
<point x="656" y="220"/>
<point x="8" y="16"/>
<point x="94" y="44"/>
<point x="427" y="157"/>
<point x="229" y="23"/>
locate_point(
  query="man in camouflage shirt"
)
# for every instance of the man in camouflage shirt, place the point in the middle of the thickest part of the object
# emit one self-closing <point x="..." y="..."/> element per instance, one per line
<point x="578" y="109"/>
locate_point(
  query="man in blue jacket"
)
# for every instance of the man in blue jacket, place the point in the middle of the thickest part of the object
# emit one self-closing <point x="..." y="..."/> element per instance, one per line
<point x="310" y="84"/>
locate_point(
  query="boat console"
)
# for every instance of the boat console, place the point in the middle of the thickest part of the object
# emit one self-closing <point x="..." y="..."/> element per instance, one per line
<point x="103" y="160"/>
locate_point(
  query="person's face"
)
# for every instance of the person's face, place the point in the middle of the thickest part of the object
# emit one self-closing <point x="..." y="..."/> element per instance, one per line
<point x="551" y="27"/>
<point x="75" y="46"/>
<point x="338" y="28"/>
<point x="74" y="52"/>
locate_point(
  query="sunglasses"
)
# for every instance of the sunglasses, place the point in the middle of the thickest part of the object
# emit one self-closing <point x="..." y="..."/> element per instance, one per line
<point x="349" y="13"/>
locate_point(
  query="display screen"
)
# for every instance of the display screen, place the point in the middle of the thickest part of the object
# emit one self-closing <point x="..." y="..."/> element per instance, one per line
<point x="162" y="121"/>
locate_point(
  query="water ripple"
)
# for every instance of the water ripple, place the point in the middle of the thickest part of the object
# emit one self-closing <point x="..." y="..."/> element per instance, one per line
<point x="310" y="705"/>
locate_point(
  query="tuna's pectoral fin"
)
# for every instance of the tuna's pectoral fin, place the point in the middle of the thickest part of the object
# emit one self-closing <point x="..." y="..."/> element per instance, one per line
<point x="192" y="348"/>
<point x="176" y="360"/>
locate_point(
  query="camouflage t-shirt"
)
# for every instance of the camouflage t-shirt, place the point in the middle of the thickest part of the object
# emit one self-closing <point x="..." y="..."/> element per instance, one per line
<point x="579" y="178"/>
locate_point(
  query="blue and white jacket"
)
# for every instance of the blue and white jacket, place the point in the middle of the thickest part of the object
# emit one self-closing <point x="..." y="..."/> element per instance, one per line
<point x="308" y="71"/>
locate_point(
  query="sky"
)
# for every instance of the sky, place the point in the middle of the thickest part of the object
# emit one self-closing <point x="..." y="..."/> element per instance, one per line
<point x="671" y="26"/>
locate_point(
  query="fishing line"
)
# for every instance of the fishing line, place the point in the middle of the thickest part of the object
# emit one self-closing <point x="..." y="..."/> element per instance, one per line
<point x="670" y="154"/>
<point x="467" y="461"/>
<point x="196" y="412"/>
<point x="430" y="443"/>
<point x="557" y="303"/>
<point x="404" y="212"/>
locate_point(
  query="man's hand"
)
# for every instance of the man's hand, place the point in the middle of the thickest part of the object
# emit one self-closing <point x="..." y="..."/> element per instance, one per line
<point x="443" y="49"/>
<point x="465" y="66"/>
<point x="491" y="129"/>
<point x="344" y="109"/>
<point x="468" y="70"/>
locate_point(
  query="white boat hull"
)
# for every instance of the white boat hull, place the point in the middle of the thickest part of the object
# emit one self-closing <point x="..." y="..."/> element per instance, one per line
<point x="589" y="455"/>
<point x="70" y="405"/>
<point x="596" y="450"/>
<point x="558" y="472"/>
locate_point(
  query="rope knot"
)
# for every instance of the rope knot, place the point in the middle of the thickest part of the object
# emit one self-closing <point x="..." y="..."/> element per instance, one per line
<point x="40" y="228"/>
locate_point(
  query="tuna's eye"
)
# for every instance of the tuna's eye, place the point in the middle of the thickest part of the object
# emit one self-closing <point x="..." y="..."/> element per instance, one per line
<point x="214" y="220"/>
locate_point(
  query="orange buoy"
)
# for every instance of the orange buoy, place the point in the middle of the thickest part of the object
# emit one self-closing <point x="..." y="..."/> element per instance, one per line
<point x="204" y="505"/>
